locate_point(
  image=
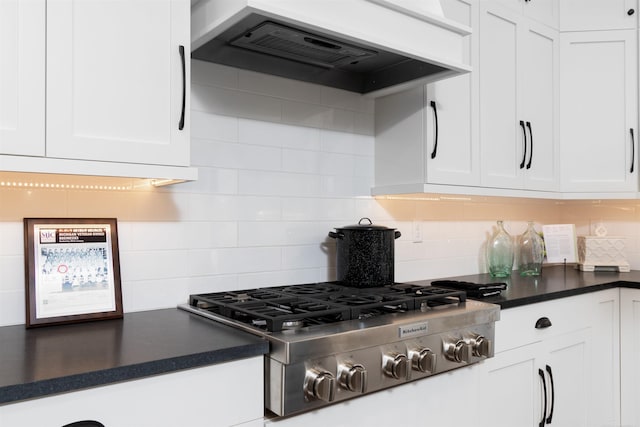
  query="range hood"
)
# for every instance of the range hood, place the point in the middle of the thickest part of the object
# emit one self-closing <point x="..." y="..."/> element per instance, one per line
<point x="373" y="47"/>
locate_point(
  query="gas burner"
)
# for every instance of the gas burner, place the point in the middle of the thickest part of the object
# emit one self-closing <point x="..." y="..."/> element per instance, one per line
<point x="298" y="306"/>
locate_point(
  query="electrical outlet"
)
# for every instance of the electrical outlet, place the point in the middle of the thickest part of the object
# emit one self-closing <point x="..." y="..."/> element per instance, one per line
<point x="416" y="232"/>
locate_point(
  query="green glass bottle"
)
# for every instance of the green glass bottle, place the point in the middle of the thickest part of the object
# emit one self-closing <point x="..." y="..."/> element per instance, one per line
<point x="530" y="252"/>
<point x="500" y="253"/>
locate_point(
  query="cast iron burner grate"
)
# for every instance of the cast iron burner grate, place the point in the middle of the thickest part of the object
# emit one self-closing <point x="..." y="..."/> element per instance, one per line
<point x="293" y="307"/>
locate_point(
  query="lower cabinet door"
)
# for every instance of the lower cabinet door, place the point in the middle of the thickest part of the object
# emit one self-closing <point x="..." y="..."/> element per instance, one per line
<point x="629" y="351"/>
<point x="511" y="389"/>
<point x="538" y="384"/>
<point x="565" y="362"/>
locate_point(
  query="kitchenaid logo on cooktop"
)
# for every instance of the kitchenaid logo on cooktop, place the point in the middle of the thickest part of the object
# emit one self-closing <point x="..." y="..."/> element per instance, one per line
<point x="413" y="330"/>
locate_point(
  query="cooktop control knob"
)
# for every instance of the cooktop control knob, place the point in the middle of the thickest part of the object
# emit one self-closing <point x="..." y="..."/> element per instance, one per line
<point x="423" y="360"/>
<point x="458" y="351"/>
<point x="482" y="347"/>
<point x="394" y="365"/>
<point x="320" y="385"/>
<point x="353" y="377"/>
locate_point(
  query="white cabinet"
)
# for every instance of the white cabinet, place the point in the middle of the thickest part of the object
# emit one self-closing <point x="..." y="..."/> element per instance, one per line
<point x="541" y="380"/>
<point x="518" y="101"/>
<point x="577" y="15"/>
<point x="542" y="11"/>
<point x="428" y="135"/>
<point x="218" y="395"/>
<point x="117" y="84"/>
<point x="117" y="77"/>
<point x="629" y="351"/>
<point x="599" y="111"/>
<point x="574" y="359"/>
<point x="22" y="67"/>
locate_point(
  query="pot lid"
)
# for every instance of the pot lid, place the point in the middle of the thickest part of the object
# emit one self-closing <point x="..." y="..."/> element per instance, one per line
<point x="363" y="226"/>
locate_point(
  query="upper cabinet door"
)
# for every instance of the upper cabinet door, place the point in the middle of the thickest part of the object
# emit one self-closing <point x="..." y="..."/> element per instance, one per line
<point x="599" y="111"/>
<point x="543" y="11"/>
<point x="540" y="71"/>
<point x="577" y="15"/>
<point x="117" y="82"/>
<point x="452" y="153"/>
<point x="22" y="43"/>
<point x="502" y="139"/>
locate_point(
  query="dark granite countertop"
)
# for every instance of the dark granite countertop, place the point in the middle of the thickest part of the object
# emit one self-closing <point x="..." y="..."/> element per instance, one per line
<point x="48" y="360"/>
<point x="554" y="282"/>
<point x="42" y="361"/>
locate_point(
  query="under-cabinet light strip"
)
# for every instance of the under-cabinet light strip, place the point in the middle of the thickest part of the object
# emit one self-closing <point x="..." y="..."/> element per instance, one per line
<point x="58" y="186"/>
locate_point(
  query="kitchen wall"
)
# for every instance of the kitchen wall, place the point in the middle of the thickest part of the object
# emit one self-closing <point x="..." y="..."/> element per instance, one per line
<point x="281" y="164"/>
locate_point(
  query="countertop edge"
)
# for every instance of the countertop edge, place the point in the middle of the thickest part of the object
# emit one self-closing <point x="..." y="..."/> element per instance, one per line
<point x="564" y="294"/>
<point x="78" y="382"/>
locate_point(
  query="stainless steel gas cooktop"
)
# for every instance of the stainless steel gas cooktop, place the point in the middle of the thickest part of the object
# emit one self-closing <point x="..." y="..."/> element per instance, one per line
<point x="330" y="342"/>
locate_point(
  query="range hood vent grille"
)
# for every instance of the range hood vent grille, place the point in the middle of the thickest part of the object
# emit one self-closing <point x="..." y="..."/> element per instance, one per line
<point x="291" y="43"/>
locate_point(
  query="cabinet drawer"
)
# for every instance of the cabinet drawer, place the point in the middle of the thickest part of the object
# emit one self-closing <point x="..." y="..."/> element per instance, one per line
<point x="517" y="326"/>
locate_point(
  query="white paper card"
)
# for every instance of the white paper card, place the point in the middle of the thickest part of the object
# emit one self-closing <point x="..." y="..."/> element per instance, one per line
<point x="560" y="242"/>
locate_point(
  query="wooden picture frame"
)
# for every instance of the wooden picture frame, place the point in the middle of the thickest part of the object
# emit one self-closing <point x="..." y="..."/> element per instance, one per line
<point x="72" y="270"/>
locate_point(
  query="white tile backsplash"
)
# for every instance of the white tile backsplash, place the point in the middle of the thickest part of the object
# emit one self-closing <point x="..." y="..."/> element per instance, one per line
<point x="281" y="163"/>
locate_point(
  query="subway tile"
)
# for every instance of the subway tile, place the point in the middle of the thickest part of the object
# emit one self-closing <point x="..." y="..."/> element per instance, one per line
<point x="302" y="161"/>
<point x="278" y="184"/>
<point x="256" y="208"/>
<point x="310" y="256"/>
<point x="212" y="181"/>
<point x="258" y="157"/>
<point x="339" y="120"/>
<point x="235" y="260"/>
<point x="282" y="277"/>
<point x="211" y="283"/>
<point x="304" y="114"/>
<point x="219" y="234"/>
<point x="338" y="98"/>
<point x="11" y="233"/>
<point x="279" y="87"/>
<point x="318" y="209"/>
<point x="155" y="294"/>
<point x="100" y="204"/>
<point x="152" y="236"/>
<point x="258" y="107"/>
<point x="13" y="307"/>
<point x="262" y="233"/>
<point x="17" y="204"/>
<point x="337" y="164"/>
<point x="348" y="143"/>
<point x="340" y="186"/>
<point x="305" y="233"/>
<point x="215" y="100"/>
<point x="279" y="135"/>
<point x="364" y="124"/>
<point x="153" y="264"/>
<point x="213" y="126"/>
<point x="208" y="207"/>
<point x="210" y="74"/>
<point x="12" y="273"/>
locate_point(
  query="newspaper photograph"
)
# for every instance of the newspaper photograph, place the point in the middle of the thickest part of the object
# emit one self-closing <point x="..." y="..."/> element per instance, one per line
<point x="73" y="269"/>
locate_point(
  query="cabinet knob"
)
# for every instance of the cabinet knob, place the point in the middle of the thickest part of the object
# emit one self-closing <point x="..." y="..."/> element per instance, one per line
<point x="630" y="12"/>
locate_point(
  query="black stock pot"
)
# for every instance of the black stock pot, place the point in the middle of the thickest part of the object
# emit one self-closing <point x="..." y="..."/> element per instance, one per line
<point x="365" y="254"/>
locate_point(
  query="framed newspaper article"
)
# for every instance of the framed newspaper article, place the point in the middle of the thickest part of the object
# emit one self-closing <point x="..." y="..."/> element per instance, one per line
<point x="72" y="270"/>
